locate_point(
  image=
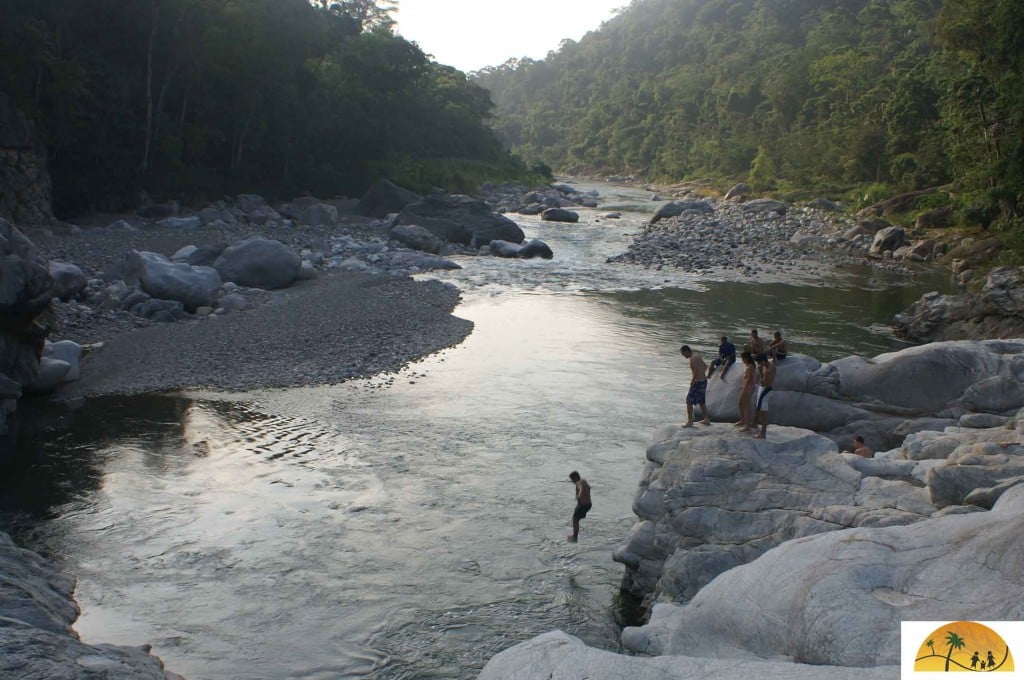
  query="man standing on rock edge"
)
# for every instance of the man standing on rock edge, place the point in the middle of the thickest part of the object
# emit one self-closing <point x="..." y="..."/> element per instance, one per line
<point x="582" y="504"/>
<point x="698" y="387"/>
<point x="767" y="369"/>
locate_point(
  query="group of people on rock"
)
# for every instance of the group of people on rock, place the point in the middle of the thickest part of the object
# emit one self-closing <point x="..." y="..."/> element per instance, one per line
<point x="760" y="365"/>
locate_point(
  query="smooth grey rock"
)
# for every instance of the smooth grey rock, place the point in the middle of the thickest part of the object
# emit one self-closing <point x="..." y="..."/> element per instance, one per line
<point x="416" y="237"/>
<point x="385" y="197"/>
<point x="460" y="219"/>
<point x="503" y="248"/>
<point x="726" y="498"/>
<point x="760" y="205"/>
<point x="982" y="420"/>
<point x="559" y="215"/>
<point x="310" y="211"/>
<point x="558" y="656"/>
<point x="677" y="208"/>
<point x="51" y="373"/>
<point x="306" y="271"/>
<point x="69" y="281"/>
<point x="842" y="594"/>
<point x="184" y="253"/>
<point x="160" y="278"/>
<point x="737" y="191"/>
<point x="536" y="248"/>
<point x="889" y="238"/>
<point x="248" y="203"/>
<point x="67" y="351"/>
<point x="823" y="204"/>
<point x="259" y="263"/>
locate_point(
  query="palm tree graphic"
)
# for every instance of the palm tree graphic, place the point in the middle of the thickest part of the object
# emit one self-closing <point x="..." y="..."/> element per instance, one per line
<point x="955" y="642"/>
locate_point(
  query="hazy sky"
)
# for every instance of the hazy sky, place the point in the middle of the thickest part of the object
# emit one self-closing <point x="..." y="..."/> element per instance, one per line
<point x="471" y="34"/>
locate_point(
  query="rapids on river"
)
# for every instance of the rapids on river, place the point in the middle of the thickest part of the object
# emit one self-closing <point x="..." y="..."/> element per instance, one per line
<point x="413" y="525"/>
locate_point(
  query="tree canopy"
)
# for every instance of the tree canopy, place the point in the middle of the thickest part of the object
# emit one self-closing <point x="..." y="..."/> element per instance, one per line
<point x="196" y="98"/>
<point x="904" y="93"/>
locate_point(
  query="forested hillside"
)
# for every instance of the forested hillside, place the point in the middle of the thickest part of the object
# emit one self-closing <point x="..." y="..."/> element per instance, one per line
<point x="898" y="94"/>
<point x="195" y="98"/>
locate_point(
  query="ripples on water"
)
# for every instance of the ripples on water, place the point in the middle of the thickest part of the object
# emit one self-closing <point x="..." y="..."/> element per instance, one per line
<point x="412" y="526"/>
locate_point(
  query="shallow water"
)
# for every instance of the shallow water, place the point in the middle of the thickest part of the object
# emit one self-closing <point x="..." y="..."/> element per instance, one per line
<point x="410" y="526"/>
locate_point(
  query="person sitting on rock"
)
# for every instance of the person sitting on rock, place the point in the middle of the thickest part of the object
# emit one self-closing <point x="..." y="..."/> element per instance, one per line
<point x="767" y="379"/>
<point x="754" y="344"/>
<point x="779" y="349"/>
<point x="726" y="358"/>
<point x="862" y="449"/>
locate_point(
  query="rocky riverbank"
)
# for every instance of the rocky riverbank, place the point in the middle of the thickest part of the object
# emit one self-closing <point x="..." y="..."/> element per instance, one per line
<point x="37" y="641"/>
<point x="785" y="556"/>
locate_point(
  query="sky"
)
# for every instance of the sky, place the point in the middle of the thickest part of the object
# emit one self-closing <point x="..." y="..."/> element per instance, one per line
<point x="471" y="34"/>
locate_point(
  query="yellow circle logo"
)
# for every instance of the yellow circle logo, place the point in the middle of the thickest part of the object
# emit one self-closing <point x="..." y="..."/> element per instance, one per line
<point x="966" y="647"/>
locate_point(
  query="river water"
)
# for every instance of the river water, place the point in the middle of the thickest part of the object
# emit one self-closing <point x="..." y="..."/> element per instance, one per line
<point x="413" y="525"/>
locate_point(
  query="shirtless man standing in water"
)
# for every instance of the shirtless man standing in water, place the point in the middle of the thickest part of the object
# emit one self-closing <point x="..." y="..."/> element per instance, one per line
<point x="698" y="387"/>
<point x="582" y="503"/>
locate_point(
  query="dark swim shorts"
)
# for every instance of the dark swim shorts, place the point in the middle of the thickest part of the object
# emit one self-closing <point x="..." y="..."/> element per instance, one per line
<point x="581" y="510"/>
<point x="696" y="394"/>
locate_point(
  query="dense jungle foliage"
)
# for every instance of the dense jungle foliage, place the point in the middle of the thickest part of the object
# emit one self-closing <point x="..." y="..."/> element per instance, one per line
<point x="195" y="98"/>
<point x="873" y="95"/>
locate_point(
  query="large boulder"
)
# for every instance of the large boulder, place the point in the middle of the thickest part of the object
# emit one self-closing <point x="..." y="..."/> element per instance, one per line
<point x="677" y="208"/>
<point x="460" y="219"/>
<point x="559" y="215"/>
<point x="384" y="198"/>
<point x="535" y="248"/>
<point x="160" y="278"/>
<point x="889" y="239"/>
<point x="69" y="281"/>
<point x="559" y="656"/>
<point x="312" y="211"/>
<point x="416" y="237"/>
<point x="504" y="248"/>
<point x="711" y="499"/>
<point x="997" y="312"/>
<point x="762" y="205"/>
<point x="838" y="598"/>
<point x="889" y="396"/>
<point x="69" y="352"/>
<point x="259" y="263"/>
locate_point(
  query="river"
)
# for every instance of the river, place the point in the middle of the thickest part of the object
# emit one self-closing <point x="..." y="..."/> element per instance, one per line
<point x="411" y="525"/>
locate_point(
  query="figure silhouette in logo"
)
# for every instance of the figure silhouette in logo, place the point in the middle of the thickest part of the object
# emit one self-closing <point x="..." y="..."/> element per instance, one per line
<point x="991" y="660"/>
<point x="974" y="661"/>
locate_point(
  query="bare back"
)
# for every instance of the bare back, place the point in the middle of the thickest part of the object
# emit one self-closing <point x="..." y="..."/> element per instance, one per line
<point x="583" y="492"/>
<point x="699" y="368"/>
<point x="749" y="372"/>
<point x="768" y="375"/>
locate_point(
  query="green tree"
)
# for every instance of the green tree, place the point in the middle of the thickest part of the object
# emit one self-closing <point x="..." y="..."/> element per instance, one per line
<point x="955" y="642"/>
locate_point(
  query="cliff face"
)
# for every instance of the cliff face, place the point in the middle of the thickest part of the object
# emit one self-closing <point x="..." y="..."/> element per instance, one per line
<point x="25" y="190"/>
<point x="26" y="288"/>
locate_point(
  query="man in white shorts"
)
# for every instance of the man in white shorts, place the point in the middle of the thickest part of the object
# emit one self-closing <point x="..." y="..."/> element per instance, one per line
<point x="766" y="370"/>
